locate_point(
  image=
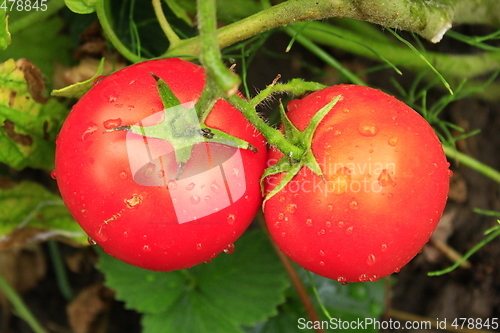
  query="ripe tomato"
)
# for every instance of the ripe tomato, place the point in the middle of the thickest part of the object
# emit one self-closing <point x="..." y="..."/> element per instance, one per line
<point x="126" y="191"/>
<point x="384" y="189"/>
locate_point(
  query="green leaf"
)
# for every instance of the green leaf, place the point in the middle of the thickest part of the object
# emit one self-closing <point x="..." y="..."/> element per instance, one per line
<point x="81" y="6"/>
<point x="28" y="121"/>
<point x="42" y="43"/>
<point x="30" y="205"/>
<point x="78" y="89"/>
<point x="4" y="31"/>
<point x="210" y="297"/>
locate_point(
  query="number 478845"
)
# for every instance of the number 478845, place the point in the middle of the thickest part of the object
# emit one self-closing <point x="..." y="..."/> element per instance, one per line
<point x="23" y="5"/>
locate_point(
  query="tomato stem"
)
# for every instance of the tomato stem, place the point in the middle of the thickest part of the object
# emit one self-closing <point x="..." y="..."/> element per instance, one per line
<point x="165" y="26"/>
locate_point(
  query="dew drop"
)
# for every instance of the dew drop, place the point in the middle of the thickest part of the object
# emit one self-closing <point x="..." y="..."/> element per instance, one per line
<point x="367" y="129"/>
<point x="450" y="173"/>
<point x="397" y="269"/>
<point x="340" y="224"/>
<point x="309" y="222"/>
<point x="328" y="224"/>
<point x="91" y="128"/>
<point x="393" y="141"/>
<point x="91" y="241"/>
<point x="123" y="175"/>
<point x="384" y="247"/>
<point x="150" y="169"/>
<point x="207" y="198"/>
<point x="322" y="232"/>
<point x="112" y="123"/>
<point x="363" y="278"/>
<point x="322" y="263"/>
<point x="215" y="188"/>
<point x="371" y="259"/>
<point x="385" y="179"/>
<point x="208" y="261"/>
<point x="321" y="253"/>
<point x="349" y="230"/>
<point x="373" y="278"/>
<point x="283" y="234"/>
<point x="53" y="174"/>
<point x="281" y="215"/>
<point x="194" y="200"/>
<point x="229" y="249"/>
<point x="341" y="279"/>
<point x="231" y="218"/>
<point x="199" y="246"/>
<point x="146" y="248"/>
<point x="172" y="184"/>
<point x="190" y="186"/>
<point x="353" y="204"/>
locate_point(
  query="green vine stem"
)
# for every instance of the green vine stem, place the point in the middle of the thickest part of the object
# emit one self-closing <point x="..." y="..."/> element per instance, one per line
<point x="430" y="19"/>
<point x="472" y="163"/>
<point x="165" y="26"/>
<point x="21" y="308"/>
<point x="100" y="8"/>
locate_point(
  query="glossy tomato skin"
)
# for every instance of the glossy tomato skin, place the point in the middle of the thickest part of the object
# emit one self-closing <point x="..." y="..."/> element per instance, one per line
<point x="385" y="187"/>
<point x="146" y="224"/>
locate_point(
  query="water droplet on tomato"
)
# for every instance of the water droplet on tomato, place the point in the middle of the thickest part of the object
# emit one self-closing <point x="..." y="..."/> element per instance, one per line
<point x="150" y="169"/>
<point x="172" y="184"/>
<point x="215" y="188"/>
<point x="322" y="263"/>
<point x="397" y="269"/>
<point x="393" y="141"/>
<point x="194" y="199"/>
<point x="229" y="249"/>
<point x="208" y="261"/>
<point x="91" y="128"/>
<point x="123" y="175"/>
<point x="342" y="279"/>
<point x="340" y="224"/>
<point x="366" y="128"/>
<point x="328" y="224"/>
<point x="91" y="241"/>
<point x="281" y="215"/>
<point x="231" y="218"/>
<point x="349" y="230"/>
<point x="322" y="232"/>
<point x="53" y="174"/>
<point x="373" y="278"/>
<point x="371" y="259"/>
<point x="363" y="278"/>
<point x="450" y="173"/>
<point x="207" y="198"/>
<point x="309" y="222"/>
<point x="384" y="247"/>
<point x="385" y="179"/>
<point x="283" y="234"/>
<point x="146" y="248"/>
<point x="112" y="123"/>
<point x="190" y="186"/>
<point x="199" y="246"/>
<point x="321" y="253"/>
<point x="353" y="204"/>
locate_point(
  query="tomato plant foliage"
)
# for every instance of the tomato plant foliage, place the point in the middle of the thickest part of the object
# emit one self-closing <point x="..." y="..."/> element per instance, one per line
<point x="130" y="193"/>
<point x="380" y="194"/>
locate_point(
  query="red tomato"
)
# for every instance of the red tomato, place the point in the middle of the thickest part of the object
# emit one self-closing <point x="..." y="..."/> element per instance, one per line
<point x="124" y="189"/>
<point x="384" y="189"/>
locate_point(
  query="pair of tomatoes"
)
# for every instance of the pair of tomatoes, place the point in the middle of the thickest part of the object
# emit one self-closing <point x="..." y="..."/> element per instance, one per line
<point x="380" y="193"/>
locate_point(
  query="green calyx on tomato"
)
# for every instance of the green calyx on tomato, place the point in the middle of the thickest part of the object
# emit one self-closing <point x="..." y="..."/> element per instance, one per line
<point x="291" y="165"/>
<point x="181" y="128"/>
